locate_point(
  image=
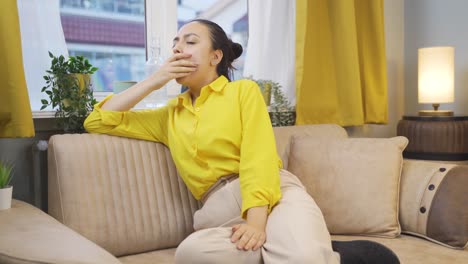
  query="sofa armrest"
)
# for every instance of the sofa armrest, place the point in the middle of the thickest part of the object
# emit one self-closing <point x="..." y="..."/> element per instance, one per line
<point x="433" y="204"/>
<point x="28" y="235"/>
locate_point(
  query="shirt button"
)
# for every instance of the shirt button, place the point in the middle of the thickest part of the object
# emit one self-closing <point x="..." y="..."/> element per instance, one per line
<point x="197" y="109"/>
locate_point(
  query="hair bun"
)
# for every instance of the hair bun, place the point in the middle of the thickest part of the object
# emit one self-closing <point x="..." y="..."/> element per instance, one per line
<point x="236" y="50"/>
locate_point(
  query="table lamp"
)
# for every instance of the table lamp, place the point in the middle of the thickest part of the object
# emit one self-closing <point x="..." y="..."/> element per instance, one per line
<point x="435" y="79"/>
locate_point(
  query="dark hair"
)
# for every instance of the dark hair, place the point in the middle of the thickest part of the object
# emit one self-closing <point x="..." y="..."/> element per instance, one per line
<point x="219" y="40"/>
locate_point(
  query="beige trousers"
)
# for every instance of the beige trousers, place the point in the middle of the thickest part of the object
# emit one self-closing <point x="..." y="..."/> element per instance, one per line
<point x="296" y="231"/>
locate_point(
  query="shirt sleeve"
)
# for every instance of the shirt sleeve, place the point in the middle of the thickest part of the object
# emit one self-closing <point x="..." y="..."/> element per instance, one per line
<point x="259" y="162"/>
<point x="146" y="124"/>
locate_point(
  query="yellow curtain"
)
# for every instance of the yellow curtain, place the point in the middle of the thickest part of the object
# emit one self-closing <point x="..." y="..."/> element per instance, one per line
<point x="341" y="74"/>
<point x="15" y="110"/>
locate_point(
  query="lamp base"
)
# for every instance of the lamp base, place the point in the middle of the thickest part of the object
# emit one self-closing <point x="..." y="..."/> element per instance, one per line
<point x="435" y="113"/>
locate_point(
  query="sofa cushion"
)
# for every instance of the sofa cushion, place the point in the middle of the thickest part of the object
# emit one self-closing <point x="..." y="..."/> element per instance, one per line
<point x="283" y="136"/>
<point x="409" y="249"/>
<point x="162" y="256"/>
<point x="434" y="202"/>
<point x="123" y="194"/>
<point x="354" y="181"/>
<point x="414" y="250"/>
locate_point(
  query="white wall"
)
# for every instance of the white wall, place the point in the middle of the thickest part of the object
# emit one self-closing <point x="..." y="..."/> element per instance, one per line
<point x="436" y="23"/>
<point x="394" y="42"/>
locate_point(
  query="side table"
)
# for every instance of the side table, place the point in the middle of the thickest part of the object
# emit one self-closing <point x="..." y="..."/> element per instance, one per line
<point x="435" y="138"/>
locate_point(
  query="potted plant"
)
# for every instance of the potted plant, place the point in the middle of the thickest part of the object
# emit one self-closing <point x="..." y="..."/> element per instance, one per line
<point x="280" y="110"/>
<point x="6" y="190"/>
<point x="68" y="86"/>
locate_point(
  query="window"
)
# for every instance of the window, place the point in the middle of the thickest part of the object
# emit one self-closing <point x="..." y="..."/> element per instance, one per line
<point x="132" y="7"/>
<point x="111" y="34"/>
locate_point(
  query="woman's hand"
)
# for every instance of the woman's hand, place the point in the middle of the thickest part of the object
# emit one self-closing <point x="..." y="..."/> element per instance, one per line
<point x="252" y="234"/>
<point x="175" y="67"/>
<point x="248" y="237"/>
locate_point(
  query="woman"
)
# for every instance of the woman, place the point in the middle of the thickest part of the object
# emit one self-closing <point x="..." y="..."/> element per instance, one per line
<point x="222" y="143"/>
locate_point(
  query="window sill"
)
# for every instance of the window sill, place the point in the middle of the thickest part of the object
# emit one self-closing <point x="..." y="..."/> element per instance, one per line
<point x="43" y="114"/>
<point x="38" y="114"/>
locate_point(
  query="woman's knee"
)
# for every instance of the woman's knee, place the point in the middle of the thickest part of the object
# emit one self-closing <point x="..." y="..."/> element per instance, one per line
<point x="189" y="251"/>
<point x="213" y="246"/>
<point x="290" y="180"/>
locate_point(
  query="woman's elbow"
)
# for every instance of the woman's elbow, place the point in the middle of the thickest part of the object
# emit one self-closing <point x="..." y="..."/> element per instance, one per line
<point x="92" y="124"/>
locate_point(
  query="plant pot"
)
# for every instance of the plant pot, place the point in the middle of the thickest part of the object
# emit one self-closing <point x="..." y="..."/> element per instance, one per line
<point x="83" y="81"/>
<point x="5" y="197"/>
<point x="267" y="93"/>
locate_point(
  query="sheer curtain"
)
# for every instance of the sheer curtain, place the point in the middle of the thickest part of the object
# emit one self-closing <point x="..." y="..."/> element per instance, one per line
<point x="271" y="46"/>
<point x="41" y="31"/>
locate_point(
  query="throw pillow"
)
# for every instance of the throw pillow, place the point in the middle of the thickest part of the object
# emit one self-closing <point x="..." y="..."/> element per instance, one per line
<point x="354" y="181"/>
<point x="284" y="134"/>
<point x="434" y="202"/>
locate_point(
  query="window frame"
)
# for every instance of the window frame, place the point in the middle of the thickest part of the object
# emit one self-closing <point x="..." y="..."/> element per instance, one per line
<point x="161" y="21"/>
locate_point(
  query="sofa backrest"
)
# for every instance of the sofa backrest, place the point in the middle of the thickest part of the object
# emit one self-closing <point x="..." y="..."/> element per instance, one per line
<point x="125" y="194"/>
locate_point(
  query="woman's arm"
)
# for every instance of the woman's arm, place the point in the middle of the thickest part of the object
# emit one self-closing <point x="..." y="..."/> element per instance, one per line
<point x="259" y="162"/>
<point x="258" y="170"/>
<point x="175" y="67"/>
<point x="111" y="116"/>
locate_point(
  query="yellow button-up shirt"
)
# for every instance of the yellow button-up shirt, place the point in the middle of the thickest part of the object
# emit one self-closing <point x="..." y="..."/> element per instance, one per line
<point x="227" y="131"/>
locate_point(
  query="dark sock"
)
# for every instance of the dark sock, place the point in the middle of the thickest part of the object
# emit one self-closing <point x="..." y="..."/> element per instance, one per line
<point x="364" y="252"/>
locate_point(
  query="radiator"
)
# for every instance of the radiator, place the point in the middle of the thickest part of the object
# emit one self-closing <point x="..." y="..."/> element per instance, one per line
<point x="39" y="174"/>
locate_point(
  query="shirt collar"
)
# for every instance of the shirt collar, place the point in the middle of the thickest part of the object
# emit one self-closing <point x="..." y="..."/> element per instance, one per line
<point x="217" y="86"/>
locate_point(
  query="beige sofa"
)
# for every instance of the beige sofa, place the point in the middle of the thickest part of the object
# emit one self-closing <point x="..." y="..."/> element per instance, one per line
<point x="119" y="200"/>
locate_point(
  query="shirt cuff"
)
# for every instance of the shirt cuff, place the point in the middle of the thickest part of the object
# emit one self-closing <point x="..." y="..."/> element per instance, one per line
<point x="258" y="198"/>
<point x="108" y="117"/>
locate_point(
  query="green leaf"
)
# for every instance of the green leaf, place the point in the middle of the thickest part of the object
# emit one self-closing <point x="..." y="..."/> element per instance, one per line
<point x="51" y="55"/>
<point x="44" y="101"/>
<point x="43" y="89"/>
<point x="43" y="107"/>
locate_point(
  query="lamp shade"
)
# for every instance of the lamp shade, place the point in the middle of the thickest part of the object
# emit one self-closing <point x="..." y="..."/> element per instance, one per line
<point x="436" y="75"/>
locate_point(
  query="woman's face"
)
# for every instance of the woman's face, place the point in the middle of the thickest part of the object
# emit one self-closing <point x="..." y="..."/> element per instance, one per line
<point x="195" y="39"/>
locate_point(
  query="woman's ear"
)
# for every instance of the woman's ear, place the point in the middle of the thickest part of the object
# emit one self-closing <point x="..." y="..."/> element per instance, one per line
<point x="217" y="57"/>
